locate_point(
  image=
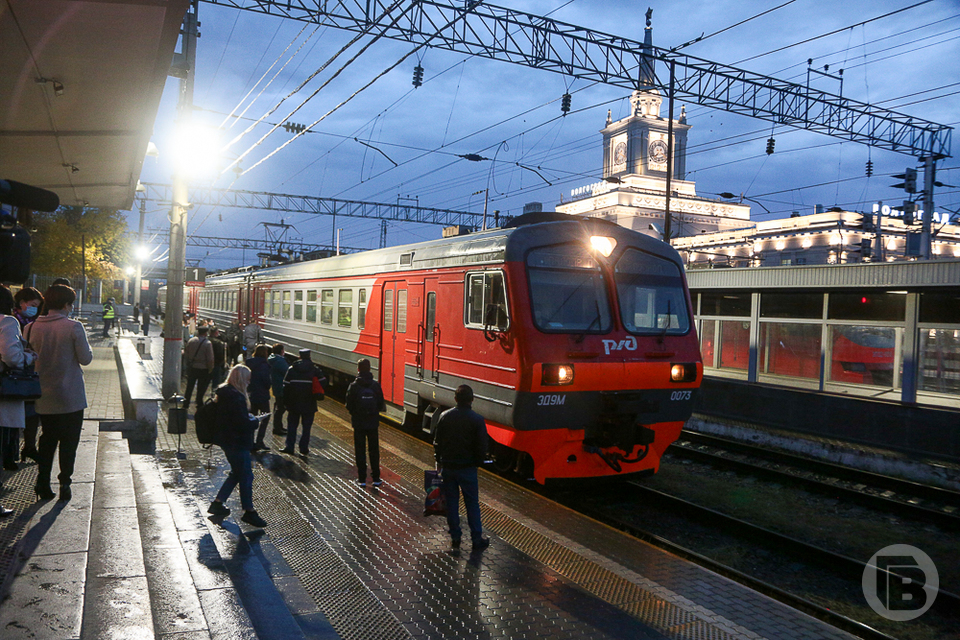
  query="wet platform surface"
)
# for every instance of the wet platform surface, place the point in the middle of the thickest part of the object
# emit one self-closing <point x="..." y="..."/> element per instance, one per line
<point x="363" y="562"/>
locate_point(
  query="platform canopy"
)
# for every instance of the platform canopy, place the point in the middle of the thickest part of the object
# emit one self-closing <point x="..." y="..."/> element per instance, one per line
<point x="80" y="86"/>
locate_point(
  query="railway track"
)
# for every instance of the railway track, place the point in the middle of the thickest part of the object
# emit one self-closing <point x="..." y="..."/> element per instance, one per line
<point x="885" y="493"/>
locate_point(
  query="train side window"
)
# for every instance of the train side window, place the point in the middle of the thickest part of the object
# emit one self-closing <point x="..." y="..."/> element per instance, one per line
<point x="326" y="306"/>
<point x="298" y="305"/>
<point x="431" y="314"/>
<point x="345" y="307"/>
<point x="388" y="310"/>
<point x="362" y="309"/>
<point x="402" y="311"/>
<point x="275" y="304"/>
<point x="312" y="305"/>
<point x="286" y="306"/>
<point x="486" y="305"/>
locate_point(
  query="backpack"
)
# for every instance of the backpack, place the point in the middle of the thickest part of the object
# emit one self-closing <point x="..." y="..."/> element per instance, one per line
<point x="208" y="426"/>
<point x="367" y="404"/>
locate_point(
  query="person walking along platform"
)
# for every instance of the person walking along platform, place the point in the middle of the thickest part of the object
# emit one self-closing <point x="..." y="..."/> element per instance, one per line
<point x="300" y="401"/>
<point x="62" y="348"/>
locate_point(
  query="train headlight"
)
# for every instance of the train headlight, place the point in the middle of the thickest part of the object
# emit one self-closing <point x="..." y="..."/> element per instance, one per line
<point x="683" y="372"/>
<point x="557" y="375"/>
<point x="603" y="245"/>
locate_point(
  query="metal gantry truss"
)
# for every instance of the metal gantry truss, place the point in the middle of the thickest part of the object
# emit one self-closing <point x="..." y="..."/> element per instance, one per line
<point x="213" y="242"/>
<point x="286" y="203"/>
<point x="543" y="43"/>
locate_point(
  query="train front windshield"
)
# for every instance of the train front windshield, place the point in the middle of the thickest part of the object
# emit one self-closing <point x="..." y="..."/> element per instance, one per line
<point x="567" y="290"/>
<point x="651" y="294"/>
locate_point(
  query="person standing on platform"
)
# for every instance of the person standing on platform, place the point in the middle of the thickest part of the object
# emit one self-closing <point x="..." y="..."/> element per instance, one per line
<point x="26" y="309"/>
<point x="219" y="358"/>
<point x="145" y="323"/>
<point x="109" y="314"/>
<point x="198" y="361"/>
<point x="278" y="368"/>
<point x="259" y="392"/>
<point x="13" y="355"/>
<point x="62" y="348"/>
<point x="365" y="402"/>
<point x="460" y="446"/>
<point x="136" y="313"/>
<point x="237" y="426"/>
<point x="300" y="401"/>
<point x="252" y="336"/>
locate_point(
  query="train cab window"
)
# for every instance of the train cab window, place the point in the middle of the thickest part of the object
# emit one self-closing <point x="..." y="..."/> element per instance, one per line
<point x="298" y="305"/>
<point x="326" y="306"/>
<point x="431" y="315"/>
<point x="486" y="306"/>
<point x="345" y="308"/>
<point x="286" y="305"/>
<point x="362" y="309"/>
<point x="567" y="290"/>
<point x="651" y="293"/>
<point x="402" y="311"/>
<point x="312" y="305"/>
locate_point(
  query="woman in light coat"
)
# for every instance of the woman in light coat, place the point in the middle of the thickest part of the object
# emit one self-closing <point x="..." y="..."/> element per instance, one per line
<point x="12" y="356"/>
<point x="62" y="347"/>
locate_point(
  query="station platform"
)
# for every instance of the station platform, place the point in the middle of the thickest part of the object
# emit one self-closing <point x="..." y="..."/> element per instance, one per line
<point x="135" y="555"/>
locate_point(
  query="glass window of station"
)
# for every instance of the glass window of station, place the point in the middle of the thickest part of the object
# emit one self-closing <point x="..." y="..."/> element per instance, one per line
<point x="839" y="342"/>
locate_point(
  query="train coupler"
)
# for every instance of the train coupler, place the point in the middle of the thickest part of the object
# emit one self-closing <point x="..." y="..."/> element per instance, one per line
<point x="643" y="437"/>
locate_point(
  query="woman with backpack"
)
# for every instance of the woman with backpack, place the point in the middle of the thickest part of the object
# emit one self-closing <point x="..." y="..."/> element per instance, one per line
<point x="365" y="402"/>
<point x="236" y="429"/>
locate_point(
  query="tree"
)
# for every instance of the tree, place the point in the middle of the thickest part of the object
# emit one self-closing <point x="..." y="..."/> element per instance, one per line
<point x="64" y="237"/>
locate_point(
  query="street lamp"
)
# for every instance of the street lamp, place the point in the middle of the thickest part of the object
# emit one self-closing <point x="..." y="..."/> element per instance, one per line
<point x="731" y="196"/>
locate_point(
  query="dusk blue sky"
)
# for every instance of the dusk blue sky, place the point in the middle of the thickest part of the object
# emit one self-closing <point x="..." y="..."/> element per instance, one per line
<point x="906" y="62"/>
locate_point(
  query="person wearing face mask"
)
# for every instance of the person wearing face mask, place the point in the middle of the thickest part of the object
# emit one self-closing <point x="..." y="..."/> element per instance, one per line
<point x="27" y="303"/>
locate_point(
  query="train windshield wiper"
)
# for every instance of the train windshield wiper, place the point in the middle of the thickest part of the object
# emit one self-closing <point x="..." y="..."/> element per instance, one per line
<point x="667" y="325"/>
<point x="596" y="320"/>
<point x="567" y="299"/>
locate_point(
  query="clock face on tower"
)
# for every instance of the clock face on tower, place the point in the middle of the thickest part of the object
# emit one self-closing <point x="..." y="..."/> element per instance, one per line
<point x="657" y="152"/>
<point x="620" y="153"/>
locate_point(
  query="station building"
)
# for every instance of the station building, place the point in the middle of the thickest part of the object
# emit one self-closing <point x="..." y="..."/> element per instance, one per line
<point x="831" y="303"/>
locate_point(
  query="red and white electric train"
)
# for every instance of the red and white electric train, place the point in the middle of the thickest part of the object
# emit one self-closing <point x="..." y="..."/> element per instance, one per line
<point x="576" y="334"/>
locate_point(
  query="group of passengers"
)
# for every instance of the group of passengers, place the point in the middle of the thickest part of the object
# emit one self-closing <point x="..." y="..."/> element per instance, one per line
<point x="37" y="334"/>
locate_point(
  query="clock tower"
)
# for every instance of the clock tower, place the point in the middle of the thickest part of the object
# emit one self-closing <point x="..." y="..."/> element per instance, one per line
<point x="637" y="145"/>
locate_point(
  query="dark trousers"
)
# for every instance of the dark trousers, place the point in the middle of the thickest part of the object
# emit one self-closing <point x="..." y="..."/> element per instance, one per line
<point x="465" y="480"/>
<point x="293" y="419"/>
<point x="30" y="434"/>
<point x="241" y="473"/>
<point x="59" y="430"/>
<point x="257" y="409"/>
<point x="199" y="377"/>
<point x="9" y="445"/>
<point x="278" y="410"/>
<point x="362" y="439"/>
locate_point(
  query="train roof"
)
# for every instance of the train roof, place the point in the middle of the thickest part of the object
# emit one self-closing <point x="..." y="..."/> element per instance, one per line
<point x="509" y="243"/>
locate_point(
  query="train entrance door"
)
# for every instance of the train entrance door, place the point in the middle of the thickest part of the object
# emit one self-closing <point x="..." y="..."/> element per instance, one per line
<point x="429" y="332"/>
<point x="393" y="340"/>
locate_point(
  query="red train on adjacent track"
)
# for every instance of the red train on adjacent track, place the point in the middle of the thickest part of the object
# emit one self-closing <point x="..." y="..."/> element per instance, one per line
<point x="576" y="335"/>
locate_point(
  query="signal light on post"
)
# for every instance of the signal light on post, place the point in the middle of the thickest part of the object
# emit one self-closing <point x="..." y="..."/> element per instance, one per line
<point x="909" y="209"/>
<point x="770" y="144"/>
<point x="417" y="76"/>
<point x="909" y="183"/>
<point x="565" y="103"/>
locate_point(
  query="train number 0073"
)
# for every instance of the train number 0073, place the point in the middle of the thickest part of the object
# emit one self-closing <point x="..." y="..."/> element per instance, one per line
<point x="681" y="395"/>
<point x="550" y="400"/>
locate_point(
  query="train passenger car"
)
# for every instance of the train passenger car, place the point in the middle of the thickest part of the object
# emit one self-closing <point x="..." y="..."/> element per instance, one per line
<point x="576" y="335"/>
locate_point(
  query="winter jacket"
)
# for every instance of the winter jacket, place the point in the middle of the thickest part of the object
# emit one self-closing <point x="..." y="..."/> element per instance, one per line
<point x="360" y="418"/>
<point x="12" y="356"/>
<point x="62" y="348"/>
<point x="198" y="354"/>
<point x="259" y="387"/>
<point x="278" y="369"/>
<point x="298" y="386"/>
<point x="237" y="426"/>
<point x="461" y="438"/>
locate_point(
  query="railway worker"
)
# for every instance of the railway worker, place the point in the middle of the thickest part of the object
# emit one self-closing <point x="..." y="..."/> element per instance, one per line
<point x="299" y="398"/>
<point x="460" y="446"/>
<point x="198" y="361"/>
<point x="109" y="314"/>
<point x="259" y="392"/>
<point x="365" y="402"/>
<point x="278" y="368"/>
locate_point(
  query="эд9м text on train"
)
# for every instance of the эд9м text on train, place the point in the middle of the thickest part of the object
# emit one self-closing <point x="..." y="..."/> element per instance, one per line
<point x="576" y="335"/>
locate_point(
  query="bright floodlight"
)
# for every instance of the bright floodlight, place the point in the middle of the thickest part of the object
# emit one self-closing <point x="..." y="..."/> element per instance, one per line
<point x="129" y="271"/>
<point x="195" y="151"/>
<point x="603" y="244"/>
<point x="141" y="253"/>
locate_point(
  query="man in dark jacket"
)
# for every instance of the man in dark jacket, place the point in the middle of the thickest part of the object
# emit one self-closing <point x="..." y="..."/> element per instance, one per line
<point x="460" y="446"/>
<point x="300" y="401"/>
<point x="259" y="392"/>
<point x="198" y="361"/>
<point x="278" y="369"/>
<point x="365" y="402"/>
<point x="219" y="358"/>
